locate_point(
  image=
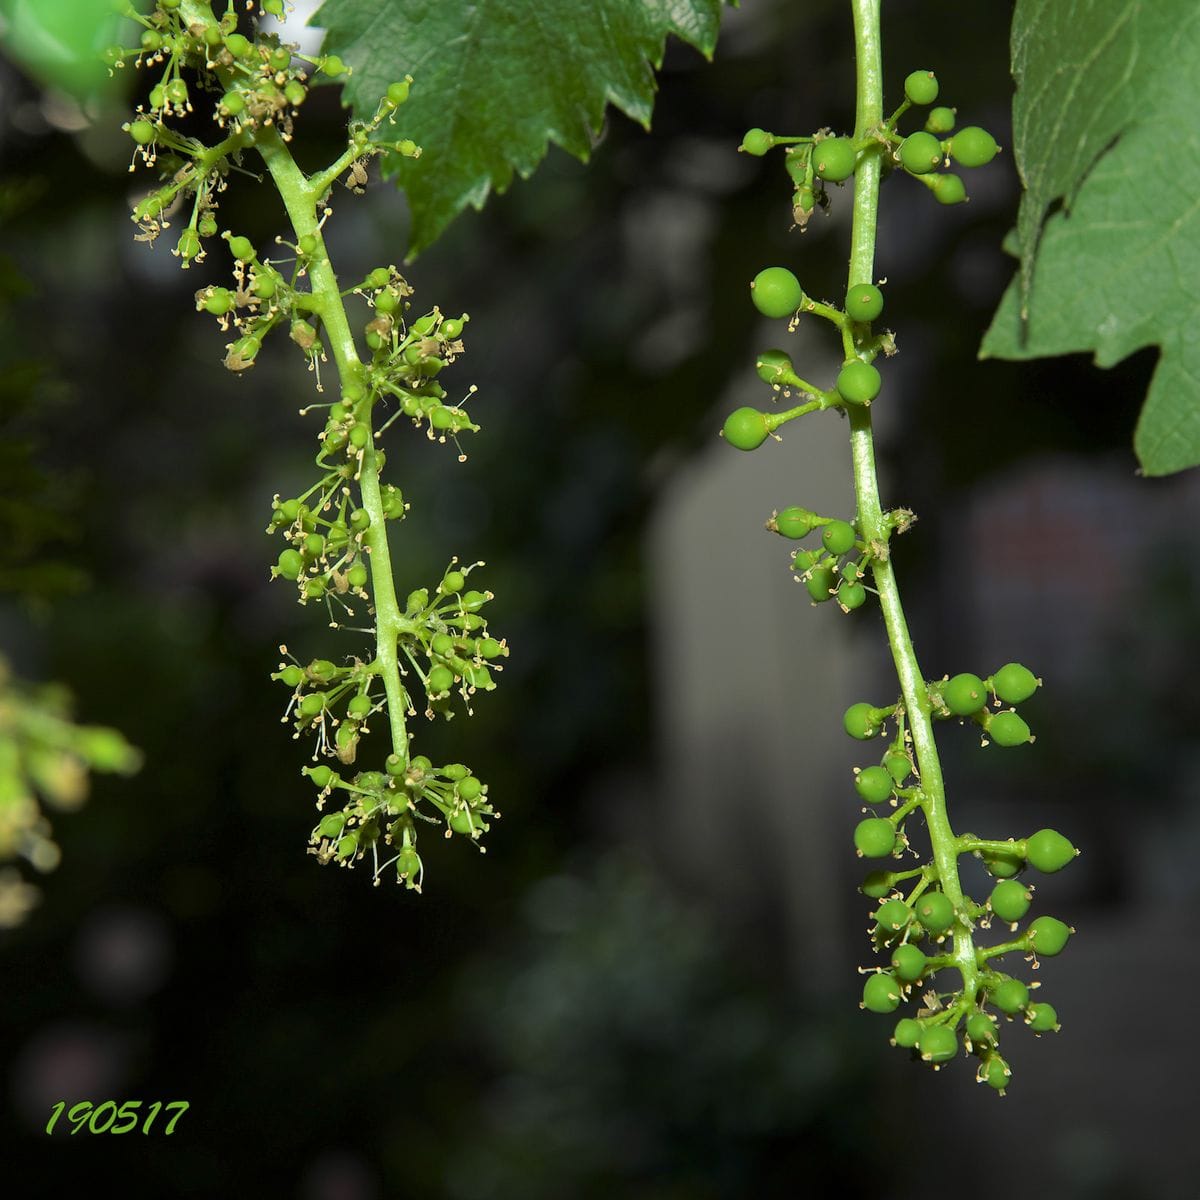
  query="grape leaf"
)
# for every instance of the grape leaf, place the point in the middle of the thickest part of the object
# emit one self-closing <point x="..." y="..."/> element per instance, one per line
<point x="1104" y="121"/>
<point x="495" y="82"/>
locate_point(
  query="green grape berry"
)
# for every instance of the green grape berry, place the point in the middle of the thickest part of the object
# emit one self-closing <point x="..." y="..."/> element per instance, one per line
<point x="1048" y="851"/>
<point x="858" y="382"/>
<point x="1009" y="996"/>
<point x="440" y="681"/>
<point x="241" y="248"/>
<point x="397" y="93"/>
<point x="322" y="776"/>
<point x="356" y="577"/>
<point x="876" y="885"/>
<point x="293" y="676"/>
<point x="893" y="916"/>
<point x="935" y="912"/>
<point x="453" y="581"/>
<point x="1048" y="936"/>
<point x="949" y="189"/>
<point x="1008" y="729"/>
<point x="776" y="292"/>
<point x="881" y="993"/>
<point x="332" y="825"/>
<point x="218" y="302"/>
<point x="864" y="302"/>
<point x="937" y="1043"/>
<point x="757" y="142"/>
<point x="821" y="584"/>
<point x="745" y="428"/>
<point x="874" y="784"/>
<point x="897" y="765"/>
<point x="981" y="1028"/>
<point x="289" y="564"/>
<point x="795" y="522"/>
<point x="142" y="132"/>
<point x="996" y="1073"/>
<point x="906" y="1033"/>
<point x="851" y="596"/>
<point x="838" y="537"/>
<point x="833" y="158"/>
<point x="908" y="962"/>
<point x="332" y="66"/>
<point x="1002" y="866"/>
<point x="1014" y="683"/>
<point x="973" y="147"/>
<point x="775" y="367"/>
<point x="861" y="721"/>
<point x="940" y="120"/>
<point x="875" y="837"/>
<point x="921" y="87"/>
<point x="360" y="706"/>
<point x="1009" y="900"/>
<point x="1042" y="1018"/>
<point x="920" y="153"/>
<point x="964" y="694"/>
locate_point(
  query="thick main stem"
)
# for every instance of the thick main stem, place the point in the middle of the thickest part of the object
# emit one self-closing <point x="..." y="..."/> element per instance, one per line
<point x="866" y="486"/>
<point x="300" y="198"/>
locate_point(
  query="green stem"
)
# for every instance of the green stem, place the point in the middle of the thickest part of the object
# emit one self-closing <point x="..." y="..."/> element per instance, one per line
<point x="300" y="198"/>
<point x="871" y="517"/>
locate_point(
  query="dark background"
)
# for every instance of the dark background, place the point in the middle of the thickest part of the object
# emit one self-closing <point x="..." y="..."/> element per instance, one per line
<point x="586" y="1010"/>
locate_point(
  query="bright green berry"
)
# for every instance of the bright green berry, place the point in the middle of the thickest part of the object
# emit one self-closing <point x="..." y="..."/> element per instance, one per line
<point x="775" y="367"/>
<point x="1009" y="900"/>
<point x="312" y="705"/>
<point x="440" y="681"/>
<point x="996" y="1073"/>
<point x="218" y="302"/>
<point x="397" y="93"/>
<point x="177" y="93"/>
<point x="838" y="537"/>
<point x="1042" y="1018"/>
<point x="921" y="87"/>
<point x="290" y="564"/>
<point x="858" y="382"/>
<point x="776" y="292"/>
<point x="874" y="784"/>
<point x="851" y="596"/>
<point x="861" y="721"/>
<point x="893" y="916"/>
<point x="1008" y="729"/>
<point x="274" y="7"/>
<point x="937" y="1043"/>
<point x="821" y="584"/>
<point x="920" y="153"/>
<point x="1048" y="936"/>
<point x="935" y="912"/>
<point x="322" y="776"/>
<point x="940" y="120"/>
<point x="332" y="825"/>
<point x="876" y="885"/>
<point x="241" y="248"/>
<point x="908" y="961"/>
<point x="757" y="142"/>
<point x="745" y="428"/>
<point x="881" y="993"/>
<point x="360" y="706"/>
<point x="897" y="765"/>
<point x="470" y="788"/>
<point x="237" y="45"/>
<point x="795" y="522"/>
<point x="981" y="1028"/>
<point x="293" y="676"/>
<point x="232" y="104"/>
<point x="875" y="837"/>
<point x="333" y="66"/>
<point x="833" y="158"/>
<point x="1002" y="866"/>
<point x="1048" y="851"/>
<point x="973" y="147"/>
<point x="964" y="694"/>
<point x="142" y="132"/>
<point x="906" y="1033"/>
<point x="1010" y="996"/>
<point x="1014" y="683"/>
<point x="864" y="302"/>
<point x="356" y="577"/>
<point x="948" y="189"/>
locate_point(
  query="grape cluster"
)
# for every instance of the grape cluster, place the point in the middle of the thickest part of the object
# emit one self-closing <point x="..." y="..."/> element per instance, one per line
<point x="836" y="570"/>
<point x="435" y="645"/>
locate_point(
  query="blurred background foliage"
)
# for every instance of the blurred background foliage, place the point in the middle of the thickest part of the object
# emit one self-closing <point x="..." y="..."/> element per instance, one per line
<point x="584" y="1011"/>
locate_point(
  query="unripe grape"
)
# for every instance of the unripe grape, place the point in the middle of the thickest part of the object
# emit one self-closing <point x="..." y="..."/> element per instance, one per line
<point x="332" y="65"/>
<point x="996" y="1073"/>
<point x="357" y="575"/>
<point x="981" y="1028"/>
<point x="881" y="993"/>
<point x="295" y="92"/>
<point x="453" y="581"/>
<point x="322" y="670"/>
<point x="973" y="147"/>
<point x="397" y="93"/>
<point x="875" y="837"/>
<point x="858" y="382"/>
<point x="838" y="537"/>
<point x="920" y="152"/>
<point x="293" y="676"/>
<point x="908" y="961"/>
<point x="290" y="564"/>
<point x="861" y="721"/>
<point x="897" y="765"/>
<point x="833" y="158"/>
<point x="876" y="885"/>
<point x="142" y="132"/>
<point x="1009" y="900"/>
<point x="359" y="706"/>
<point x="937" y="1043"/>
<point x="322" y="776"/>
<point x="1002" y="866"/>
<point x="237" y="45"/>
<point x="177" y="92"/>
<point x="851" y="596"/>
<point x="805" y="560"/>
<point x="745" y="428"/>
<point x="757" y="142"/>
<point x="776" y="292"/>
<point x="1048" y="851"/>
<point x="964" y="694"/>
<point x="864" y="302"/>
<point x="1008" y="729"/>
<point x="935" y="912"/>
<point x="218" y="302"/>
<point x="440" y="681"/>
<point x="1014" y="683"/>
<point x="1048" y="936"/>
<point x="921" y="87"/>
<point x="893" y="916"/>
<point x="1009" y="996"/>
<point x="906" y="1033"/>
<point x="874" y="784"/>
<point x="332" y="825"/>
<point x="241" y="248"/>
<point x="795" y="522"/>
<point x="775" y="367"/>
<point x="1042" y="1018"/>
<point x="949" y="189"/>
<point x="232" y="104"/>
<point x="940" y="120"/>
